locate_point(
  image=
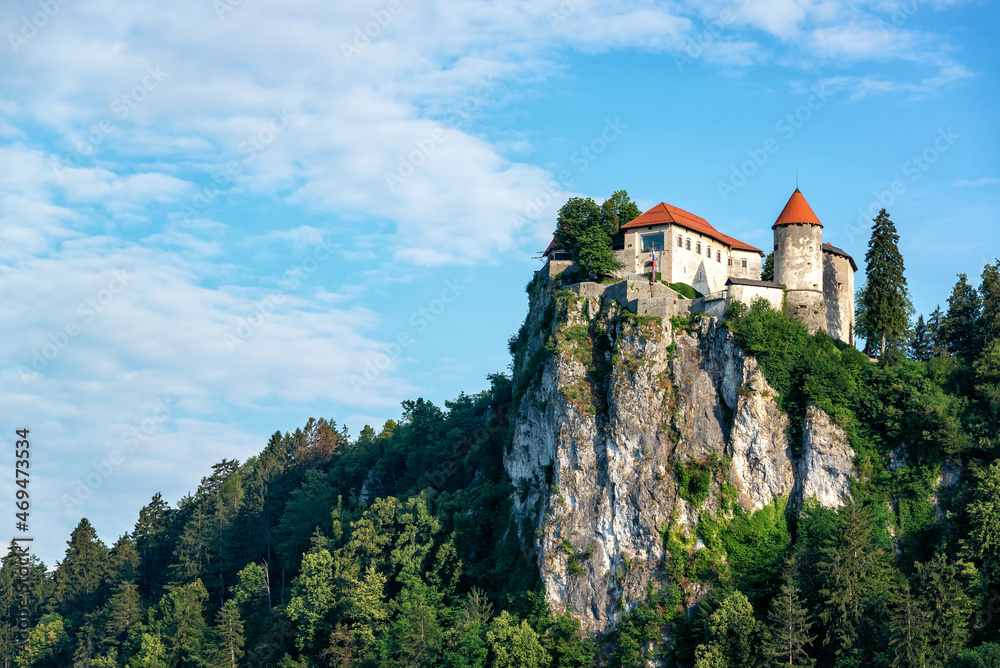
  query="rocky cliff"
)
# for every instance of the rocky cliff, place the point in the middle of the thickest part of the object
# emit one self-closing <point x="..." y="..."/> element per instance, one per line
<point x="613" y="412"/>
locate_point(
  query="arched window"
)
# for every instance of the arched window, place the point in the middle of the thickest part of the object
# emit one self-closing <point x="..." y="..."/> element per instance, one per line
<point x="698" y="248"/>
<point x="718" y="256"/>
<point x="680" y="241"/>
<point x="688" y="244"/>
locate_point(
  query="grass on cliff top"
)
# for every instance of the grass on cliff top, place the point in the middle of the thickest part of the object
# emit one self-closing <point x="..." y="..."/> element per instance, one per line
<point x="685" y="290"/>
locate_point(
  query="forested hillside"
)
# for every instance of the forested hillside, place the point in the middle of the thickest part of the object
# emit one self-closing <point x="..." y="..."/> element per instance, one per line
<point x="396" y="548"/>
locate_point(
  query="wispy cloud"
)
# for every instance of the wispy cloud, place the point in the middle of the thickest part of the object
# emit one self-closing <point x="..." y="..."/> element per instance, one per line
<point x="985" y="181"/>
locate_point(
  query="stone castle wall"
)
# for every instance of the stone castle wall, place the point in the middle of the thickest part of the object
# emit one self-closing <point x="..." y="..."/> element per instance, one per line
<point x="838" y="293"/>
<point x="798" y="264"/>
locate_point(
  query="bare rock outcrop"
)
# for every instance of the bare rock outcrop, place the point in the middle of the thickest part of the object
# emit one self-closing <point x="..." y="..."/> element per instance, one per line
<point x="608" y="404"/>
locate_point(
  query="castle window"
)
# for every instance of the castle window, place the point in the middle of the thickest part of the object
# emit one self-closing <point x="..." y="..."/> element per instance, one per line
<point x="698" y="249"/>
<point x="718" y="256"/>
<point x="709" y="253"/>
<point x="680" y="242"/>
<point x="688" y="244"/>
<point x="744" y="264"/>
<point x="730" y="262"/>
<point x="652" y="242"/>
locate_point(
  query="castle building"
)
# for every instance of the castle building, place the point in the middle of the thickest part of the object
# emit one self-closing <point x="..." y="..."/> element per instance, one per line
<point x="813" y="280"/>
<point x="818" y="278"/>
<point x="688" y="250"/>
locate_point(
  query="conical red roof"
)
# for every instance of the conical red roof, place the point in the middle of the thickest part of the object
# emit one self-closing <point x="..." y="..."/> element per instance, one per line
<point x="797" y="211"/>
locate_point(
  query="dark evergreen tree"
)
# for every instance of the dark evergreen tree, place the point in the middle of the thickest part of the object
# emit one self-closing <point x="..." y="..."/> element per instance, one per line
<point x="921" y="345"/>
<point x="80" y="576"/>
<point x="960" y="327"/>
<point x="934" y="331"/>
<point x="884" y="307"/>
<point x="943" y="593"/>
<point x="790" y="629"/>
<point x="855" y="573"/>
<point x="989" y="292"/>
<point x="909" y="628"/>
<point x="180" y="620"/>
<point x="229" y="640"/>
<point x="153" y="543"/>
<point x="123" y="610"/>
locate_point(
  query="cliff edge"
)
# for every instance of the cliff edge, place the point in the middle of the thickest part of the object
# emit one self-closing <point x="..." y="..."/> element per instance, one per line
<point x="628" y="429"/>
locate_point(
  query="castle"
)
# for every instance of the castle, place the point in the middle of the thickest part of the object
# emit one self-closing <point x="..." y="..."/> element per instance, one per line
<point x="813" y="281"/>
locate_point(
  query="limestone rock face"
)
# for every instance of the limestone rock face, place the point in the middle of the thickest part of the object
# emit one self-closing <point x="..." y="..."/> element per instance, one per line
<point x="611" y="403"/>
<point x="827" y="463"/>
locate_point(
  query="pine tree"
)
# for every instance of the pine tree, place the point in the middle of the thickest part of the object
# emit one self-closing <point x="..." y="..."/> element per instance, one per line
<point x="960" y="327"/>
<point x="854" y="574"/>
<point x="123" y="563"/>
<point x="229" y="640"/>
<point x="180" y="615"/>
<point x="123" y="611"/>
<point x="908" y="628"/>
<point x="942" y="588"/>
<point x="884" y="307"/>
<point x="790" y="625"/>
<point x="80" y="576"/>
<point x="989" y="292"/>
<point x="152" y="543"/>
<point x="920" y="343"/>
<point x="934" y="332"/>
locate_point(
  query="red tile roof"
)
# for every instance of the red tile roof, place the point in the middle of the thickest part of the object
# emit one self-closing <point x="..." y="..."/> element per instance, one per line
<point x="665" y="214"/>
<point x="797" y="211"/>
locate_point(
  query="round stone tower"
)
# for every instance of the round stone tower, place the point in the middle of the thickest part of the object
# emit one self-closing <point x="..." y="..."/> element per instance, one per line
<point x="798" y="261"/>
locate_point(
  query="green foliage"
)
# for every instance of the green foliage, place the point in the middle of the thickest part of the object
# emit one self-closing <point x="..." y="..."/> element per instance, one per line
<point x="767" y="268"/>
<point x="960" y="329"/>
<point x="685" y="290"/>
<point x="733" y="635"/>
<point x="790" y="626"/>
<point x="48" y="645"/>
<point x="395" y="548"/>
<point x="694" y="479"/>
<point x="588" y="231"/>
<point x="515" y="645"/>
<point x="883" y="304"/>
<point x="756" y="546"/>
<point x="921" y="343"/>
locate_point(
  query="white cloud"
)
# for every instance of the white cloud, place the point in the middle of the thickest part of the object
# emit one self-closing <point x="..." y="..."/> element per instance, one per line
<point x="985" y="181"/>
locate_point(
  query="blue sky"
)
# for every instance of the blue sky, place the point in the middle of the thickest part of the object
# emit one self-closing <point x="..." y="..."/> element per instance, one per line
<point x="221" y="217"/>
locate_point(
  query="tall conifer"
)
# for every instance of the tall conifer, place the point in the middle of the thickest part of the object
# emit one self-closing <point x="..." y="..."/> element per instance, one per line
<point x="960" y="327"/>
<point x="884" y="307"/>
<point x="790" y="625"/>
<point x="921" y="346"/>
<point x="989" y="291"/>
